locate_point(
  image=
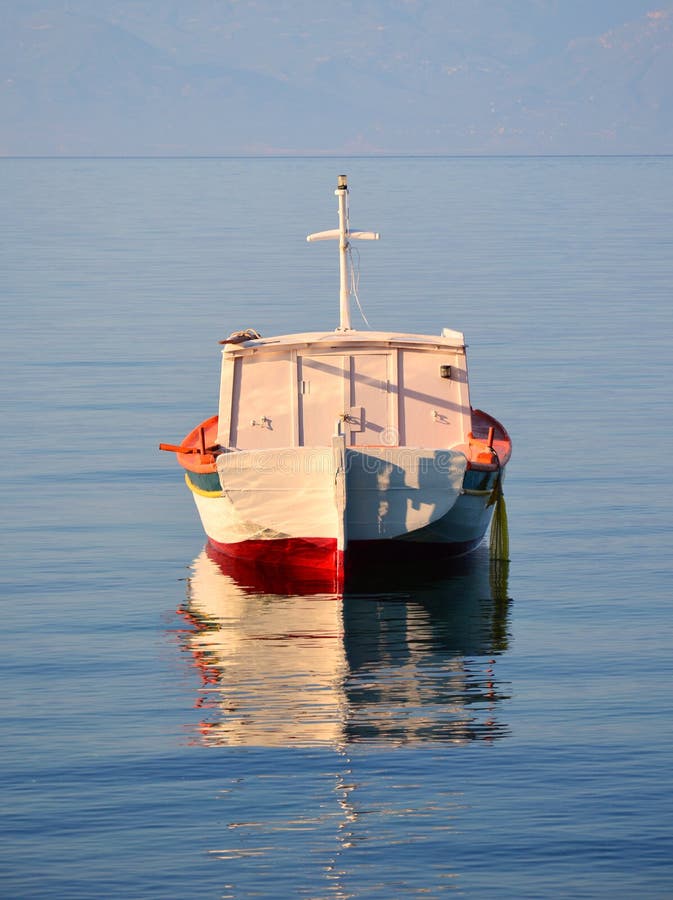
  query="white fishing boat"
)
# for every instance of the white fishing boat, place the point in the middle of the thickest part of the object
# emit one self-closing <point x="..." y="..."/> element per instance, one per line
<point x="342" y="445"/>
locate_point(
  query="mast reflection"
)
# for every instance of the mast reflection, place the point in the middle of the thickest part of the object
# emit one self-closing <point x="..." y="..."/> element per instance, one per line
<point x="403" y="657"/>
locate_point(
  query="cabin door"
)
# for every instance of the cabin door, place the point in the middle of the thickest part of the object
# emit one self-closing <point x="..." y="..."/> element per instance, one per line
<point x="323" y="387"/>
<point x="352" y="390"/>
<point x="369" y="421"/>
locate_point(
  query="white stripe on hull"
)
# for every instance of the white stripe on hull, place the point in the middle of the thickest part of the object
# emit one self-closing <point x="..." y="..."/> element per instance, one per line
<point x="390" y="493"/>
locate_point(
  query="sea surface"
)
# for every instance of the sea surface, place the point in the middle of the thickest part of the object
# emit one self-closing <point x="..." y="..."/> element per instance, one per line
<point x="173" y="727"/>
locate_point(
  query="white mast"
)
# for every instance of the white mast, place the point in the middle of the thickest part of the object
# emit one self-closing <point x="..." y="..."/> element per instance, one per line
<point x="344" y="233"/>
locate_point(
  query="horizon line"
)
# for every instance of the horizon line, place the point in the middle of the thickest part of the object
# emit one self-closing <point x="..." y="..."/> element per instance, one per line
<point x="332" y="155"/>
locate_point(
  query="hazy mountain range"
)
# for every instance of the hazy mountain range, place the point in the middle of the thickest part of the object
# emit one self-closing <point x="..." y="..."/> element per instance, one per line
<point x="211" y="77"/>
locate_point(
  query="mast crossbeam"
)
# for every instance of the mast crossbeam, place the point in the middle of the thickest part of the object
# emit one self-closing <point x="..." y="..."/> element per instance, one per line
<point x="344" y="234"/>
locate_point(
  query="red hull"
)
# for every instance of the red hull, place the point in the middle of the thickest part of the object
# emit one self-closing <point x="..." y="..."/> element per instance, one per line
<point x="286" y="566"/>
<point x="314" y="565"/>
<point x="301" y="553"/>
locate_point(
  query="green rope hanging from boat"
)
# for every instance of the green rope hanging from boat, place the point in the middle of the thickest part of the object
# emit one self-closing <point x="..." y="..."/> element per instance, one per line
<point x="499" y="541"/>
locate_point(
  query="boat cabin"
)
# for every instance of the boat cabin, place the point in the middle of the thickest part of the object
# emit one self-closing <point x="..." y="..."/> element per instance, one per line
<point x="378" y="389"/>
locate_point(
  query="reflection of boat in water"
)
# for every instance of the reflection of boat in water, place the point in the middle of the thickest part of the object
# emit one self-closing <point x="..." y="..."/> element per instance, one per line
<point x="397" y="658"/>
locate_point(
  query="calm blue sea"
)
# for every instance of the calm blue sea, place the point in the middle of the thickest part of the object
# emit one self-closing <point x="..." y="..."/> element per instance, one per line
<point x="176" y="729"/>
